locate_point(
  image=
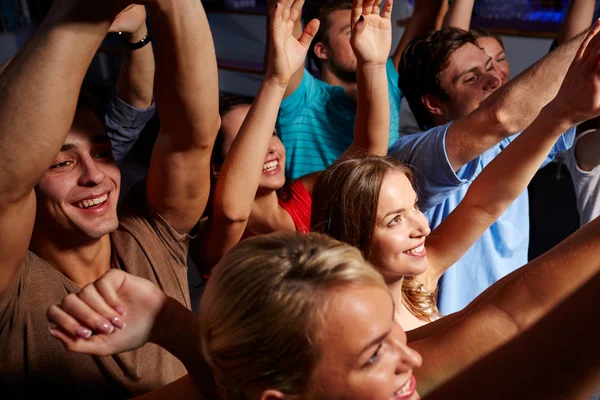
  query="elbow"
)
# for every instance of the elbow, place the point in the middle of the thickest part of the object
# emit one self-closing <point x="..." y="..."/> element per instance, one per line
<point x="500" y="121"/>
<point x="231" y="214"/>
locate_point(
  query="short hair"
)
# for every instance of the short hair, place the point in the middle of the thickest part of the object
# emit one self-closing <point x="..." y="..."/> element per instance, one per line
<point x="420" y="66"/>
<point x="323" y="16"/>
<point x="264" y="305"/>
<point x="480" y="32"/>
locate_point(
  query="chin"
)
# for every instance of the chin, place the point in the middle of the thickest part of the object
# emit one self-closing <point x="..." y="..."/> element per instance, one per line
<point x="100" y="229"/>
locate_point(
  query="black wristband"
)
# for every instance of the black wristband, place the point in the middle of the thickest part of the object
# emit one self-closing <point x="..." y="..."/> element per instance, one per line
<point x="137" y="45"/>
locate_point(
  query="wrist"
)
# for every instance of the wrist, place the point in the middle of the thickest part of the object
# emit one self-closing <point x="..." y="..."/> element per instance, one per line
<point x="275" y="82"/>
<point x="371" y="66"/>
<point x="135" y="37"/>
<point x="558" y="115"/>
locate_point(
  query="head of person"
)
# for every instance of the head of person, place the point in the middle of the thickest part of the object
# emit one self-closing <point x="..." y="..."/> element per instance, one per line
<point x="369" y="202"/>
<point x="305" y="317"/>
<point x="233" y="110"/>
<point x="493" y="45"/>
<point x="445" y="75"/>
<point x="331" y="49"/>
<point x="77" y="196"/>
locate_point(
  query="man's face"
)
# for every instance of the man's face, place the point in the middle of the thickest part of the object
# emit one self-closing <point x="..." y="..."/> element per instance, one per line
<point x="468" y="80"/>
<point x="340" y="56"/>
<point x="78" y="194"/>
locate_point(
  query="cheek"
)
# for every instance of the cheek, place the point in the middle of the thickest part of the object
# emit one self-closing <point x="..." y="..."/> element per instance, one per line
<point x="54" y="189"/>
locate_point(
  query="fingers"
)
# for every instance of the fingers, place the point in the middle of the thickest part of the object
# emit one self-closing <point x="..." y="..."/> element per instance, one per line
<point x="591" y="34"/>
<point x="276" y="14"/>
<point x="387" y="9"/>
<point x="369" y="7"/>
<point x="359" y="26"/>
<point x="109" y="285"/>
<point x="309" y="33"/>
<point x="77" y="344"/>
<point x="287" y="8"/>
<point x="296" y="10"/>
<point x="357" y="10"/>
<point x="90" y="296"/>
<point x="78" y="318"/>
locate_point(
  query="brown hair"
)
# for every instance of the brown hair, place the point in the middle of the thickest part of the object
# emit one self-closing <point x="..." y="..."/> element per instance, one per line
<point x="344" y="206"/>
<point x="323" y="16"/>
<point x="262" y="307"/>
<point x="480" y="32"/>
<point x="421" y="64"/>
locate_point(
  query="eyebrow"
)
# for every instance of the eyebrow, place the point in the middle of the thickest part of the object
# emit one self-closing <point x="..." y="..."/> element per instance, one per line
<point x="95" y="140"/>
<point x="471" y="70"/>
<point x="398" y="211"/>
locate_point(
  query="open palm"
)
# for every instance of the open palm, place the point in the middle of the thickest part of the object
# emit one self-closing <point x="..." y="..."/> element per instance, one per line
<point x="286" y="53"/>
<point x="371" y="32"/>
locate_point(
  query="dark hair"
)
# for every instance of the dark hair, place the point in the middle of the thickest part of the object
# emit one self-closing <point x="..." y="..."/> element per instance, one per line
<point x="479" y="33"/>
<point x="227" y="102"/>
<point x="420" y="66"/>
<point x="323" y="16"/>
<point x="344" y="206"/>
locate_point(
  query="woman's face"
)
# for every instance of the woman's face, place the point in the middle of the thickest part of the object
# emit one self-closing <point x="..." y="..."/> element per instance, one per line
<point x="398" y="246"/>
<point x="363" y="351"/>
<point x="495" y="50"/>
<point x="273" y="172"/>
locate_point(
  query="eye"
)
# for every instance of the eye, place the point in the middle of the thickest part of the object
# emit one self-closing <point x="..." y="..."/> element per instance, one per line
<point x="396" y="220"/>
<point x="501" y="59"/>
<point x="416" y="206"/>
<point x="375" y="356"/>
<point x="469" y="78"/>
<point x="61" y="165"/>
<point x="103" y="154"/>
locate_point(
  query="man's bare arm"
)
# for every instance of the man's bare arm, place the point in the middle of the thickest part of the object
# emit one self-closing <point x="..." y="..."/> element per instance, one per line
<point x="511" y="108"/>
<point x="40" y="87"/>
<point x="187" y="100"/>
<point x="459" y="14"/>
<point x="579" y="18"/>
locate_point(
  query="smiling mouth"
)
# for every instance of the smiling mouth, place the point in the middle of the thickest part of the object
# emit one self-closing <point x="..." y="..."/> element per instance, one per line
<point x="92" y="202"/>
<point x="407" y="390"/>
<point x="270" y="166"/>
<point x="416" y="251"/>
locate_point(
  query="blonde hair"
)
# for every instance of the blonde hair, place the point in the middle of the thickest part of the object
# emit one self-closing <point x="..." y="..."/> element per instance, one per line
<point x="263" y="304"/>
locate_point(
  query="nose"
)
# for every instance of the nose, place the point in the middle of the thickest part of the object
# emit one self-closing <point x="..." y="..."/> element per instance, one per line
<point x="272" y="146"/>
<point x="91" y="175"/>
<point x="408" y="359"/>
<point x="493" y="81"/>
<point x="420" y="226"/>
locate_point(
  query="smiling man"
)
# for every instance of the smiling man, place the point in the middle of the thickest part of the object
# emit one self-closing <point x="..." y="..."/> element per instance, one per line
<point x="468" y="118"/>
<point x="59" y="185"/>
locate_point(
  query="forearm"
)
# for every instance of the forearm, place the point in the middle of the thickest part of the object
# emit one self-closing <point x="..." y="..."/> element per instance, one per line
<point x="565" y="337"/>
<point x="176" y="329"/>
<point x="42" y="83"/>
<point x="372" y="124"/>
<point x="241" y="172"/>
<point x="186" y="85"/>
<point x="427" y="16"/>
<point x="459" y="14"/>
<point x="579" y="17"/>
<point x="135" y="84"/>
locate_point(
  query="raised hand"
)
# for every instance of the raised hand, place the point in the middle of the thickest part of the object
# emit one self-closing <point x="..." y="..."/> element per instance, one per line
<point x="579" y="95"/>
<point x="116" y="313"/>
<point x="371" y="37"/>
<point x="286" y="53"/>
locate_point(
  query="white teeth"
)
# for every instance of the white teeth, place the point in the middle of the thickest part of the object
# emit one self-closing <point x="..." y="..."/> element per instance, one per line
<point x="270" y="166"/>
<point x="92" y="202"/>
<point x="403" y="389"/>
<point x="416" y="250"/>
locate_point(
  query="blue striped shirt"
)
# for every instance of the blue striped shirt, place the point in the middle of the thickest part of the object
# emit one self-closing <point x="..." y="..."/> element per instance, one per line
<point x="316" y="123"/>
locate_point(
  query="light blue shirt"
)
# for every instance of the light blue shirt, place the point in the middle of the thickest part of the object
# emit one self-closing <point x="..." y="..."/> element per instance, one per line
<point x="316" y="123"/>
<point x="503" y="247"/>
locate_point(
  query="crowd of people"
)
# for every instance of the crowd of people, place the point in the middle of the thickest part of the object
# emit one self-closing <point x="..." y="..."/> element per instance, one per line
<point x="319" y="213"/>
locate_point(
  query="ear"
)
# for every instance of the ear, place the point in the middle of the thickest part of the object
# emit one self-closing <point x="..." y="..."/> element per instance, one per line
<point x="320" y="51"/>
<point x="433" y="104"/>
<point x="272" y="394"/>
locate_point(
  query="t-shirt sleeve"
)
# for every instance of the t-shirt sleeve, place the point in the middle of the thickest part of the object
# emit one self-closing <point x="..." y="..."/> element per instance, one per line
<point x="564" y="142"/>
<point x="426" y="154"/>
<point x="291" y="105"/>
<point x="137" y="215"/>
<point x="124" y="124"/>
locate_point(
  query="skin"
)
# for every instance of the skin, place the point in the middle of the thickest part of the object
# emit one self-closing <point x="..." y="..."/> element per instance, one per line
<point x="468" y="80"/>
<point x="337" y="51"/>
<point x="495" y="50"/>
<point x="360" y="361"/>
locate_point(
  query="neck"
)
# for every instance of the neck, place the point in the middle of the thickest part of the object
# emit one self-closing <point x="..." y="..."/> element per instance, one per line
<point x="329" y="77"/>
<point x="82" y="261"/>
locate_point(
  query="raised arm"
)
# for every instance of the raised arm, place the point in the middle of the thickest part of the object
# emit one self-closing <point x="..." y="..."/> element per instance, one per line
<point x="579" y="18"/>
<point x="511" y="108"/>
<point x="459" y="14"/>
<point x="556" y="358"/>
<point x="40" y="87"/>
<point x="241" y="172"/>
<point x="371" y="41"/>
<point x="507" y="176"/>
<point x="131" y="107"/>
<point x="427" y="16"/>
<point x="187" y="100"/>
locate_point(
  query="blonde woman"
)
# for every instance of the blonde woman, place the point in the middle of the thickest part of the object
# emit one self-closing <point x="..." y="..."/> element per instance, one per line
<point x="289" y="316"/>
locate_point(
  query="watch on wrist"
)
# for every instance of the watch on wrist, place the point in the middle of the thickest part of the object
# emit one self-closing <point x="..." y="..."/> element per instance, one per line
<point x="137" y="45"/>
